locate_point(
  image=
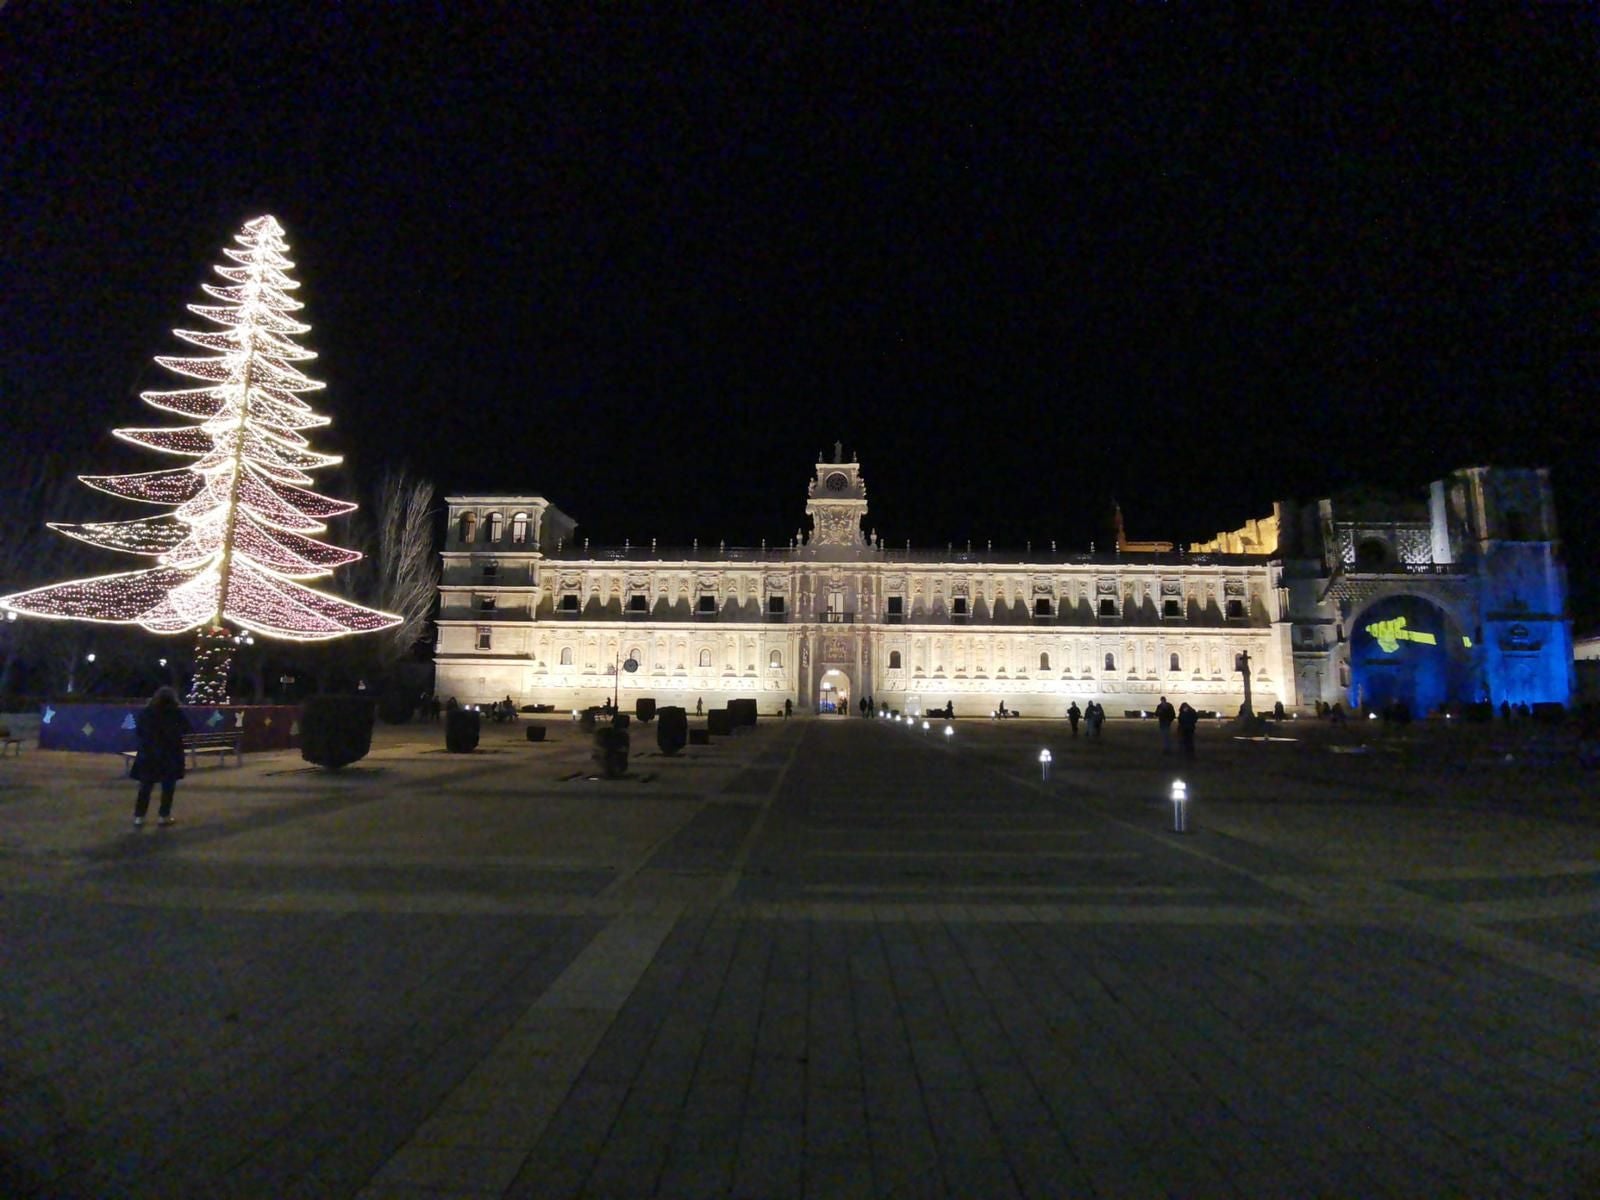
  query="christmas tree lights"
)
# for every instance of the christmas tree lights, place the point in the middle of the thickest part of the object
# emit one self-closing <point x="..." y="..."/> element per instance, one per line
<point x="238" y="541"/>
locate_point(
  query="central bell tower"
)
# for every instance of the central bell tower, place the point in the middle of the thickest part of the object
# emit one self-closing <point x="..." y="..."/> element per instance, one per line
<point x="836" y="502"/>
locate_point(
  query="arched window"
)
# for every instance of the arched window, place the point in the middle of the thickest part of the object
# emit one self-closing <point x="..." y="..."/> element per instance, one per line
<point x="634" y="655"/>
<point x="566" y="656"/>
<point x="705" y="658"/>
<point x="1372" y="554"/>
<point x="1044" y="662"/>
<point x="519" y="528"/>
<point x="469" y="526"/>
<point x="1172" y="663"/>
<point x="894" y="660"/>
<point x="775" y="659"/>
<point x="492" y="527"/>
<point x="1111" y="662"/>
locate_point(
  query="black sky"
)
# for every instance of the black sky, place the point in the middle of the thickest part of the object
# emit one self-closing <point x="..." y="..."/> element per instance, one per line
<point x="650" y="267"/>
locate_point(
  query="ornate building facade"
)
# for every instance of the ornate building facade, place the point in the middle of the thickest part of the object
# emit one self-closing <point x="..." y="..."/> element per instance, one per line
<point x="1357" y="601"/>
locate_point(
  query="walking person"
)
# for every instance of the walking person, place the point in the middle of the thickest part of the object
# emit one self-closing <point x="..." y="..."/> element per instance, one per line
<point x="1074" y="715"/>
<point x="700" y="706"/>
<point x="1165" y="716"/>
<point x="1094" y="716"/>
<point x="788" y="708"/>
<point x="159" y="728"/>
<point x="1188" y="718"/>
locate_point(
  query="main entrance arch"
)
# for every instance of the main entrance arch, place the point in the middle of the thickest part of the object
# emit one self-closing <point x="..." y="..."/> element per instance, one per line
<point x="1406" y="648"/>
<point x="833" y="692"/>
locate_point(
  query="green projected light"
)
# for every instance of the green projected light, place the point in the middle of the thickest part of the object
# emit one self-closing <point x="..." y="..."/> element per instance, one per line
<point x="1389" y="634"/>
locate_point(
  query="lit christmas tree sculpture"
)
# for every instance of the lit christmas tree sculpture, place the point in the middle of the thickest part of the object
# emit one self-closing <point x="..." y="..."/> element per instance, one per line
<point x="239" y="535"/>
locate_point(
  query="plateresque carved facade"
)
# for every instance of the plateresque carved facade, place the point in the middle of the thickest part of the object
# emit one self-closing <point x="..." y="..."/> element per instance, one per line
<point x="1355" y="601"/>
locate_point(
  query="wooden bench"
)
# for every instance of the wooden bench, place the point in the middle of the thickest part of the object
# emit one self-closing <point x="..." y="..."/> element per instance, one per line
<point x="221" y="743"/>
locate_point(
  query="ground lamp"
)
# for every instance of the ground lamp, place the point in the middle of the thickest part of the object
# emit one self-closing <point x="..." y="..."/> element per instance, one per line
<point x="1044" y="764"/>
<point x="949" y="730"/>
<point x="1180" y="806"/>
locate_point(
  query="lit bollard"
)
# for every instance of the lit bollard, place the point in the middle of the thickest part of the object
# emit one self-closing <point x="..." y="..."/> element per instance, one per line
<point x="1044" y="764"/>
<point x="949" y="730"/>
<point x="924" y="727"/>
<point x="1180" y="806"/>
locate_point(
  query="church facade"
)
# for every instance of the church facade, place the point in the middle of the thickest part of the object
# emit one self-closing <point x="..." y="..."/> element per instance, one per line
<point x="1357" y="600"/>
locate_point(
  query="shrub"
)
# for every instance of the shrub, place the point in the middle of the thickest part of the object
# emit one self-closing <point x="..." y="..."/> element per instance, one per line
<point x="646" y="709"/>
<point x="719" y="722"/>
<point x="396" y="707"/>
<point x="335" y="731"/>
<point x="672" y="729"/>
<point x="743" y="712"/>
<point x="536" y="733"/>
<point x="461" y="731"/>
<point x="611" y="748"/>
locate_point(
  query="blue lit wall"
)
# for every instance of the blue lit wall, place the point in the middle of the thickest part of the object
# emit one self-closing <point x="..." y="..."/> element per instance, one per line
<point x="1406" y="648"/>
<point x="1527" y="650"/>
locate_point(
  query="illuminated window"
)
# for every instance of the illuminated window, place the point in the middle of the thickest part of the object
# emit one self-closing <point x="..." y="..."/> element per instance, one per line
<point x="519" y="528"/>
<point x="469" y="526"/>
<point x="1173" y="664"/>
<point x="484" y="636"/>
<point x="1044" y="662"/>
<point x="705" y="658"/>
<point x="566" y="656"/>
<point x="1108" y="607"/>
<point x="775" y="660"/>
<point x="492" y="527"/>
<point x="1111" y="662"/>
<point x="894" y="660"/>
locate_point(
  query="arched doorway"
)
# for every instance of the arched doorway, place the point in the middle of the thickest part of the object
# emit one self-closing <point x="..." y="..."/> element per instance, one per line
<point x="833" y="693"/>
<point x="1405" y="648"/>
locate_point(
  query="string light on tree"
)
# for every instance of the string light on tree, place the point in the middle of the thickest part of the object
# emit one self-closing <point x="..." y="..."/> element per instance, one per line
<point x="239" y="537"/>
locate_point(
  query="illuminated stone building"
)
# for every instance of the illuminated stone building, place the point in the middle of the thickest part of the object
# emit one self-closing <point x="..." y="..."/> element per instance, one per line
<point x="1351" y="601"/>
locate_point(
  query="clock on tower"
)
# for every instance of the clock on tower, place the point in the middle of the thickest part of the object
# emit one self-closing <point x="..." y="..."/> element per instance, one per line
<point x="837" y="504"/>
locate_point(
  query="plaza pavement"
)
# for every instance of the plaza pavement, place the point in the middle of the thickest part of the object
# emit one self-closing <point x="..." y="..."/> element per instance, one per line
<point x="823" y="958"/>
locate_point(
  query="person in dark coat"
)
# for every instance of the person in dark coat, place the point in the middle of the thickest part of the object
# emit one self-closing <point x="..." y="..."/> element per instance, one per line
<point x="1165" y="716"/>
<point x="159" y="728"/>
<point x="1074" y="715"/>
<point x="1188" y="718"/>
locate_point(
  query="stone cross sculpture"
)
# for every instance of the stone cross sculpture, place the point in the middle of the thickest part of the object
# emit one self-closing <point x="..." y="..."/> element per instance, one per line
<point x="1246" y="712"/>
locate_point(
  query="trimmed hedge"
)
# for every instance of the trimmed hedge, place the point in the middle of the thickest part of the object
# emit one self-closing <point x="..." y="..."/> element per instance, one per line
<point x="743" y="712"/>
<point x="672" y="729"/>
<point x="461" y="731"/>
<point x="335" y="731"/>
<point x="646" y="709"/>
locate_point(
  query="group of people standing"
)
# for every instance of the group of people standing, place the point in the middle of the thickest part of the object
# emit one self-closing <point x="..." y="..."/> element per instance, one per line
<point x="1186" y="717"/>
<point x="1093" y="716"/>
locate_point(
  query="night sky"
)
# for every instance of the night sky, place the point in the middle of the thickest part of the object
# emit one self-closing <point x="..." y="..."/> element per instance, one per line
<point x="649" y="269"/>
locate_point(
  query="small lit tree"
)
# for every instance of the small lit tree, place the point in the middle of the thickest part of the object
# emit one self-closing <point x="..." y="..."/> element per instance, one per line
<point x="238" y="539"/>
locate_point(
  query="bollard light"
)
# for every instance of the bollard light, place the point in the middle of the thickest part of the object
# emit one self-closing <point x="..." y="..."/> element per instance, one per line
<point x="1180" y="806"/>
<point x="949" y="730"/>
<point x="89" y="657"/>
<point x="924" y="727"/>
<point x="574" y="714"/>
<point x="1044" y="764"/>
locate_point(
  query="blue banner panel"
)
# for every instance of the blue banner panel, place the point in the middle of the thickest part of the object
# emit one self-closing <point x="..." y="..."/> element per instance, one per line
<point x="108" y="728"/>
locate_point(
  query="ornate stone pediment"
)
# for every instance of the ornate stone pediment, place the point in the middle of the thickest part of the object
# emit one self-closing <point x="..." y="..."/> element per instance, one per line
<point x="1105" y="587"/>
<point x="836" y="649"/>
<point x="1233" y="587"/>
<point x="1171" y="587"/>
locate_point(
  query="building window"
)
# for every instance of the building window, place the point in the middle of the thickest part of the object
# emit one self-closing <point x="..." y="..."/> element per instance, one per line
<point x="775" y="660"/>
<point x="894" y="660"/>
<point x="486" y="603"/>
<point x="1111" y="662"/>
<point x="484" y="636"/>
<point x="1235" y="609"/>
<point x="1173" y="664"/>
<point x="1238" y="662"/>
<point x="1041" y="606"/>
<point x="896" y="606"/>
<point x="1171" y="608"/>
<point x="1373" y="554"/>
<point x="708" y="604"/>
<point x="634" y="655"/>
<point x="958" y="606"/>
<point x="469" y="526"/>
<point x="569" y="602"/>
<point x="519" y="528"/>
<point x="1044" y="662"/>
<point x="492" y="527"/>
<point x="566" y="656"/>
<point x="1108" y="607"/>
<point x="705" y="658"/>
<point x="775" y="605"/>
<point x="638" y="602"/>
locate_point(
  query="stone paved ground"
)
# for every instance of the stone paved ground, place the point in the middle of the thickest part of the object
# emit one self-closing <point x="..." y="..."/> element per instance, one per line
<point x="827" y="958"/>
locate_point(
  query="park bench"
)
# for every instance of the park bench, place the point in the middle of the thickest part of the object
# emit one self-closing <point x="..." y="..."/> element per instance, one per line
<point x="9" y="744"/>
<point x="222" y="743"/>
